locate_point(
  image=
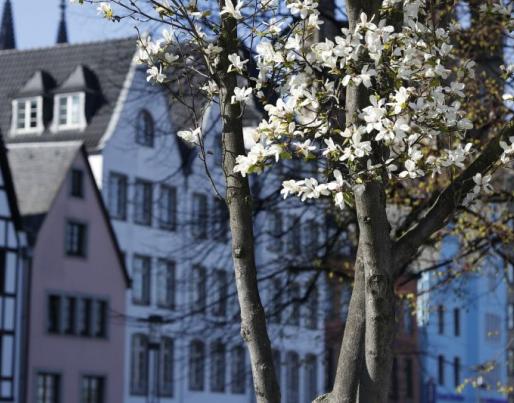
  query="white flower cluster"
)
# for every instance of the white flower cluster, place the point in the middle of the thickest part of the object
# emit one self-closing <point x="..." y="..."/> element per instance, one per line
<point x="414" y="104"/>
<point x="508" y="150"/>
<point x="157" y="55"/>
<point x="482" y="185"/>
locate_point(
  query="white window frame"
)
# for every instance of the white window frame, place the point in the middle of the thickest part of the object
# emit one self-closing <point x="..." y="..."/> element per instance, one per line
<point x="39" y="116"/>
<point x="82" y="112"/>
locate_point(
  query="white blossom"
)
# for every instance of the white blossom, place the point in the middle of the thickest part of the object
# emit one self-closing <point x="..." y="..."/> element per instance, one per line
<point x="241" y="95"/>
<point x="190" y="136"/>
<point x="229" y="8"/>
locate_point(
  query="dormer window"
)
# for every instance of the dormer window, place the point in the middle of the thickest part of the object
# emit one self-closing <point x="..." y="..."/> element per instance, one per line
<point x="69" y="111"/>
<point x="27" y="115"/>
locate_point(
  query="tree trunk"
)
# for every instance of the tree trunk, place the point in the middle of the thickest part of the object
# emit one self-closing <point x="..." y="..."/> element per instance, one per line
<point x="239" y="202"/>
<point x="375" y="247"/>
<point x="348" y="372"/>
<point x="366" y="353"/>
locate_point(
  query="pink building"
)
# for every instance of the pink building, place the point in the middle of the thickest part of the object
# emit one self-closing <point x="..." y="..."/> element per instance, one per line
<point x="78" y="279"/>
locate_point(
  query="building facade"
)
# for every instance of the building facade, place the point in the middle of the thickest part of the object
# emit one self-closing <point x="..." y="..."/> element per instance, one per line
<point x="463" y="331"/>
<point x="75" y="338"/>
<point x="13" y="276"/>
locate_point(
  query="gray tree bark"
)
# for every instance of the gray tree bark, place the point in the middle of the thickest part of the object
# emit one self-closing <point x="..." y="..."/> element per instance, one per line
<point x="348" y="372"/>
<point x="366" y="352"/>
<point x="375" y="246"/>
<point x="239" y="202"/>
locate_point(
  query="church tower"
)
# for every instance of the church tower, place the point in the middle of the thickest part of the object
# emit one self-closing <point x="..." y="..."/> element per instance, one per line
<point x="62" y="31"/>
<point x="7" y="39"/>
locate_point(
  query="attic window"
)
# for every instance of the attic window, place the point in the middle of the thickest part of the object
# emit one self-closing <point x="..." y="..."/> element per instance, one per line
<point x="27" y="115"/>
<point x="69" y="111"/>
<point x="145" y="129"/>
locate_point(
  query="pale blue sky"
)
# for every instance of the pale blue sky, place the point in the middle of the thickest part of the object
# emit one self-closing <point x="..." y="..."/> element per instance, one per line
<point x="36" y="23"/>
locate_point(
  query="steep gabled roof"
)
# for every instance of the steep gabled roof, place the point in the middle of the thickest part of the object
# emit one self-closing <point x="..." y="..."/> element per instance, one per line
<point x="39" y="171"/>
<point x="109" y="61"/>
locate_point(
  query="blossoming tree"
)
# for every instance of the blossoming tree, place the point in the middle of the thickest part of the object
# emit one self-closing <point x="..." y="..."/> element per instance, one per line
<point x="383" y="106"/>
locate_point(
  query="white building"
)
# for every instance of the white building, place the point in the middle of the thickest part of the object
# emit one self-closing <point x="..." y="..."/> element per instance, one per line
<point x="183" y="342"/>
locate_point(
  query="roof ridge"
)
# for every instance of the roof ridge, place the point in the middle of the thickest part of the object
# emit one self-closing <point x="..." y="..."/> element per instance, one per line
<point x="54" y="143"/>
<point x="68" y="45"/>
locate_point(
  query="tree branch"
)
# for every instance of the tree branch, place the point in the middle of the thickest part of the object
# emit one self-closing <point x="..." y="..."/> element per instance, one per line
<point x="448" y="200"/>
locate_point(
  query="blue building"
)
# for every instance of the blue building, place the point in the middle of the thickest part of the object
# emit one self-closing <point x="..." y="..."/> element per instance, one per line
<point x="463" y="331"/>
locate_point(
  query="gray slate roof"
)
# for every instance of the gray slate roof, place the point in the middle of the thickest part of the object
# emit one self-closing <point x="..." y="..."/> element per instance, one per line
<point x="109" y="61"/>
<point x="38" y="170"/>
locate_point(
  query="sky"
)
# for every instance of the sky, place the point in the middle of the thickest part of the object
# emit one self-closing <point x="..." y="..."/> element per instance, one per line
<point x="36" y="23"/>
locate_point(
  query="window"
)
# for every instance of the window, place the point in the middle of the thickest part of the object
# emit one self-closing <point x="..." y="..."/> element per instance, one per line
<point x="294" y="316"/>
<point x="77" y="316"/>
<point x="409" y="387"/>
<point x="492" y="327"/>
<point x="139" y="365"/>
<point x="294" y="235"/>
<point x="75" y="239"/>
<point x="440" y="370"/>
<point x="510" y="362"/>
<point x="493" y="375"/>
<point x="54" y="314"/>
<point x="220" y="220"/>
<point x="118" y="196"/>
<point x="217" y="367"/>
<point x="292" y="377"/>
<point x="77" y="183"/>
<point x="199" y="224"/>
<point x="456" y="322"/>
<point x="221" y="293"/>
<point x="275" y="231"/>
<point x="393" y="394"/>
<point x="166" y="367"/>
<point x="141" y="280"/>
<point x="100" y="319"/>
<point x="168" y="208"/>
<point x="440" y="319"/>
<point x="143" y="203"/>
<point x="199" y="289"/>
<point x="28" y="115"/>
<point x="48" y="388"/>
<point x="84" y="317"/>
<point x="311" y="378"/>
<point x="70" y="111"/>
<point x="69" y="321"/>
<point x="145" y="129"/>
<point x="311" y="321"/>
<point x="93" y="389"/>
<point x="166" y="284"/>
<point x="238" y="367"/>
<point x="276" y="301"/>
<point x="456" y="371"/>
<point x="408" y="318"/>
<point x="196" y="365"/>
<point x="311" y="234"/>
<point x="510" y="316"/>
<point x="277" y="363"/>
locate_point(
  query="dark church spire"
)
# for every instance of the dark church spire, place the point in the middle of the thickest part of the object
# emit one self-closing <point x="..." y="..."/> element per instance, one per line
<point x="62" y="31"/>
<point x="7" y="40"/>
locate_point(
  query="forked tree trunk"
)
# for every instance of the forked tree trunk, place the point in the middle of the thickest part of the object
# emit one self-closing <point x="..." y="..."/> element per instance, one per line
<point x="239" y="202"/>
<point x="366" y="352"/>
